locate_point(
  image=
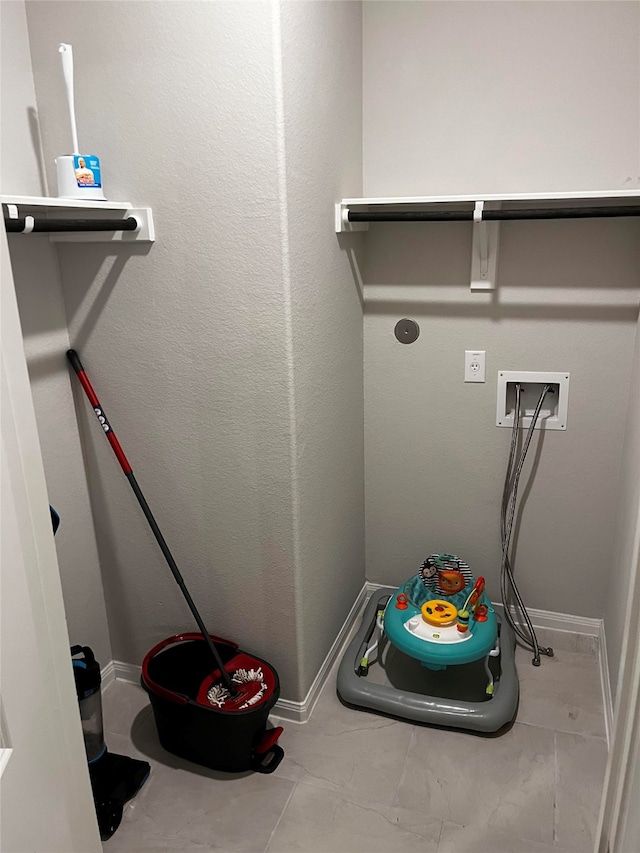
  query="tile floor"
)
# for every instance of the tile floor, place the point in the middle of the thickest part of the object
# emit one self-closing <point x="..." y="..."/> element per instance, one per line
<point x="353" y="781"/>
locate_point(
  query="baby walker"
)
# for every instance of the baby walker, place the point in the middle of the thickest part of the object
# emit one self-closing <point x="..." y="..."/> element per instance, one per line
<point x="442" y="618"/>
<point x="441" y="621"/>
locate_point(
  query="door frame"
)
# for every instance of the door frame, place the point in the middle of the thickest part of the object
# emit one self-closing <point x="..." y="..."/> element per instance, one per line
<point x="47" y="757"/>
<point x="624" y="754"/>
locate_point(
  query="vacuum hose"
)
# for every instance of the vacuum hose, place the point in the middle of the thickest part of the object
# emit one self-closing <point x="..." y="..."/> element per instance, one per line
<point x="509" y="498"/>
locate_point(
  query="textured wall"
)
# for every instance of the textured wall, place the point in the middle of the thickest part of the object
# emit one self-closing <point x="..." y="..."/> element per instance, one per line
<point x="191" y="344"/>
<point x="440" y="116"/>
<point x="435" y="461"/>
<point x="500" y="97"/>
<point x="20" y="159"/>
<point x="322" y="96"/>
<point x="185" y="344"/>
<point x="46" y="339"/>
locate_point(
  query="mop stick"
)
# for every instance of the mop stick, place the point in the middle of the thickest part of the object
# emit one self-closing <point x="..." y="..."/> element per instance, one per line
<point x="72" y="355"/>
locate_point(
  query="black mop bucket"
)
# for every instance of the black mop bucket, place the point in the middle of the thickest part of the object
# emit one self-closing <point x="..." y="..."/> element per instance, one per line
<point x="173" y="674"/>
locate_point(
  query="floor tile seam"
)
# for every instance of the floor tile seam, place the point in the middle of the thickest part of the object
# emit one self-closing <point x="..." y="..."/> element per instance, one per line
<point x="560" y="731"/>
<point x="404" y="764"/>
<point x="531" y="726"/>
<point x="277" y="824"/>
<point x="520" y="837"/>
<point x="602" y="738"/>
<point x="559" y="679"/>
<point x="543" y="844"/>
<point x="309" y="779"/>
<point x="379" y="808"/>
<point x="348" y="797"/>
<point x="556" y="658"/>
<point x="384" y="813"/>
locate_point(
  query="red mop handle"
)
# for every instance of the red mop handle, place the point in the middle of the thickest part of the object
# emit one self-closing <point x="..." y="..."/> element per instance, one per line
<point x="73" y="357"/>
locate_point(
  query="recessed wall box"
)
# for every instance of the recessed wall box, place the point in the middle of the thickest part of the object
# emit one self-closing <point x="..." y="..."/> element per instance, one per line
<point x="553" y="414"/>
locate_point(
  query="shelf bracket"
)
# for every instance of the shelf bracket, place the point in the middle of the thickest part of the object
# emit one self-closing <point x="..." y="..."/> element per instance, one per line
<point x="12" y="212"/>
<point x="484" y="250"/>
<point x="342" y="220"/>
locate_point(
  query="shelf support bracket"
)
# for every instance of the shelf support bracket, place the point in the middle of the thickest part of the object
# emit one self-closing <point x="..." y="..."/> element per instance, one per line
<point x="342" y="223"/>
<point x="484" y="250"/>
<point x="14" y="213"/>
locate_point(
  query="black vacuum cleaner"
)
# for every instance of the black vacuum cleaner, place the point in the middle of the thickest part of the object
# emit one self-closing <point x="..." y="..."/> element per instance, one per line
<point x="115" y="779"/>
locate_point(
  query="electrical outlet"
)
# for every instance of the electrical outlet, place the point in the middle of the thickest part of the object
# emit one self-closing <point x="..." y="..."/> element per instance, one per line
<point x="474" y="365"/>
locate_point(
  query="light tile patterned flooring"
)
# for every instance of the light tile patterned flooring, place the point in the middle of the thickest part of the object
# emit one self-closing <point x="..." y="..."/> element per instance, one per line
<point x="353" y="781"/>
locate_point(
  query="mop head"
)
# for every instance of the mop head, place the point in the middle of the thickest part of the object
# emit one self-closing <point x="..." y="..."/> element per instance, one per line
<point x="255" y="684"/>
<point x="218" y="694"/>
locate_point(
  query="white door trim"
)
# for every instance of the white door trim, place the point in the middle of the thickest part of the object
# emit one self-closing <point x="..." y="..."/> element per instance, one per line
<point x="623" y="754"/>
<point x="48" y="760"/>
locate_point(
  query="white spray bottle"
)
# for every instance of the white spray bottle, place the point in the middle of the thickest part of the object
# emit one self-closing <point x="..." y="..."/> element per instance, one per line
<point x="79" y="175"/>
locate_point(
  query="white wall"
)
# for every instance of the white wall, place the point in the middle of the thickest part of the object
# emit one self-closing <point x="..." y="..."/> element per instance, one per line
<point x="197" y="346"/>
<point x="500" y="97"/>
<point x="185" y="342"/>
<point x="322" y="97"/>
<point x="461" y="97"/>
<point x="36" y="274"/>
<point x="20" y="155"/>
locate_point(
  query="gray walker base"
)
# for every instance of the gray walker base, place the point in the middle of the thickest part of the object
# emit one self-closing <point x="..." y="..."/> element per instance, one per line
<point x="400" y="686"/>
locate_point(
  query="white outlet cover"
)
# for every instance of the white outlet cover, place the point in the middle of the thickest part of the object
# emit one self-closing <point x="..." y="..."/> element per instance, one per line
<point x="474" y="365"/>
<point x="556" y="420"/>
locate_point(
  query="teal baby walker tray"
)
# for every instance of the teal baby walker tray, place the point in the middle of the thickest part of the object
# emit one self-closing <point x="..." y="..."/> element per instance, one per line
<point x="442" y="619"/>
<point x="441" y="616"/>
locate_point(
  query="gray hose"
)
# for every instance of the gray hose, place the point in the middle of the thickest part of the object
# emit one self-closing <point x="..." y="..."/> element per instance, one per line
<point x="509" y="499"/>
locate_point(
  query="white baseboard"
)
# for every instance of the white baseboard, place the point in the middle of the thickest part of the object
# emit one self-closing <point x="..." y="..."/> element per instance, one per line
<point x="540" y="618"/>
<point x="559" y="621"/>
<point x="108" y="673"/>
<point x="285" y="709"/>
<point x="605" y="680"/>
<point x="117" y="670"/>
<point x="300" y="712"/>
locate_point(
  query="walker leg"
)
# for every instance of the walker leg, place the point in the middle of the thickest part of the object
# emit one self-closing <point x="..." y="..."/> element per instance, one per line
<point x="370" y="645"/>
